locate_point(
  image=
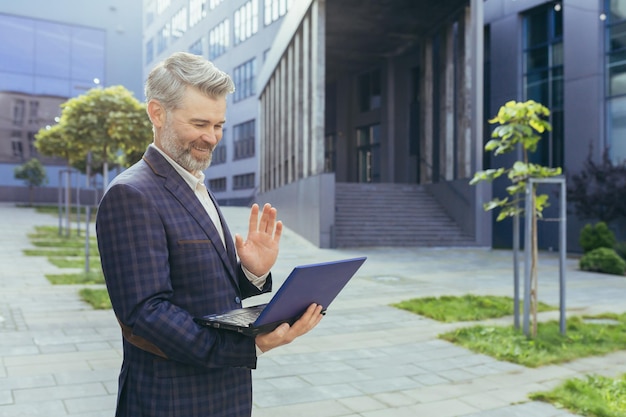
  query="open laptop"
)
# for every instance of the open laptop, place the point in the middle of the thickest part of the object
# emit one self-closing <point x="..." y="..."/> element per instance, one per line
<point x="315" y="283"/>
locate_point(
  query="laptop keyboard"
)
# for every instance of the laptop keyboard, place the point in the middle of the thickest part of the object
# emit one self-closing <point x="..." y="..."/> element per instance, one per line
<point x="243" y="317"/>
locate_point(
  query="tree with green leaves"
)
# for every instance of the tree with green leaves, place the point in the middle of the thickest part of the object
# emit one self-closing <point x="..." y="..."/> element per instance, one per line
<point x="34" y="174"/>
<point x="110" y="123"/>
<point x="521" y="125"/>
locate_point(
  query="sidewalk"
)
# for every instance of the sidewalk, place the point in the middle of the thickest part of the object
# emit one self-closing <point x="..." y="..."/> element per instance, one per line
<point x="58" y="357"/>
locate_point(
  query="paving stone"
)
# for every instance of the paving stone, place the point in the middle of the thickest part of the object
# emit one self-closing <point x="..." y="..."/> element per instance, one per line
<point x="366" y="359"/>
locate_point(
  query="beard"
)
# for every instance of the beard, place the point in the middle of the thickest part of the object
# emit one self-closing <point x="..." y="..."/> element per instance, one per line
<point x="173" y="146"/>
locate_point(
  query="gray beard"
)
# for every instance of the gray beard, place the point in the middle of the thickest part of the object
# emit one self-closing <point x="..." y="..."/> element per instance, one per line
<point x="182" y="156"/>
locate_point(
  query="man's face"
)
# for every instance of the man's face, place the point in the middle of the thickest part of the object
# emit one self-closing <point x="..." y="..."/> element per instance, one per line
<point x="191" y="132"/>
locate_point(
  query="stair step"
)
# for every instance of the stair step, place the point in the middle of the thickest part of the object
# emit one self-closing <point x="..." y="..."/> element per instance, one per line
<point x="392" y="215"/>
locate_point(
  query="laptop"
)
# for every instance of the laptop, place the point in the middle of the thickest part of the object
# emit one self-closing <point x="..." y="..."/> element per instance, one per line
<point x="306" y="284"/>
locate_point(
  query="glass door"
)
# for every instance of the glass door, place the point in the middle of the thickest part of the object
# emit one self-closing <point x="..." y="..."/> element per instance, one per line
<point x="368" y="150"/>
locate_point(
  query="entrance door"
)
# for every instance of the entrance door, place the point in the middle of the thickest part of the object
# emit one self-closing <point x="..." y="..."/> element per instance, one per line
<point x="368" y="149"/>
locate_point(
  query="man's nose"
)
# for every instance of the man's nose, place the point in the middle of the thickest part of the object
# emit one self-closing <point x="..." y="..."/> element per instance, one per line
<point x="210" y="136"/>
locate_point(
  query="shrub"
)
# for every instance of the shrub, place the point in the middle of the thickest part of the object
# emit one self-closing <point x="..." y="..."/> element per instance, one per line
<point x="603" y="260"/>
<point x="598" y="236"/>
<point x="620" y="248"/>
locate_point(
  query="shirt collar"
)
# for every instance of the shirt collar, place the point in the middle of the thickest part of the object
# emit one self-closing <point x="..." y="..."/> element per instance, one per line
<point x="191" y="179"/>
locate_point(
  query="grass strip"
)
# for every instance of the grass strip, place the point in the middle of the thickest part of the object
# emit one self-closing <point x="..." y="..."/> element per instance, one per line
<point x="97" y="298"/>
<point x="595" y="395"/>
<point x="468" y="307"/>
<point x="582" y="339"/>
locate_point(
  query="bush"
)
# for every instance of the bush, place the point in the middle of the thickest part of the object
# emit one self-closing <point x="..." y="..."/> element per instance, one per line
<point x="620" y="248"/>
<point x="598" y="236"/>
<point x="603" y="260"/>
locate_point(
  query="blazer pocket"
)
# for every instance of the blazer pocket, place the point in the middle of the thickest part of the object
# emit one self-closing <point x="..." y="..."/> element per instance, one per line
<point x="193" y="242"/>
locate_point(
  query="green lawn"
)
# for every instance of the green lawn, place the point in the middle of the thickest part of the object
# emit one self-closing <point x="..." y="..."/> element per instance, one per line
<point x="69" y="252"/>
<point x="468" y="307"/>
<point x="594" y="396"/>
<point x="506" y="343"/>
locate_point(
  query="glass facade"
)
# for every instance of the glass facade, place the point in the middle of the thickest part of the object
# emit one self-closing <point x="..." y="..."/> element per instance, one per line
<point x="616" y="79"/>
<point x="244" y="140"/>
<point x="49" y="58"/>
<point x="543" y="76"/>
<point x="244" y="77"/>
<point x="44" y="64"/>
<point x="368" y="147"/>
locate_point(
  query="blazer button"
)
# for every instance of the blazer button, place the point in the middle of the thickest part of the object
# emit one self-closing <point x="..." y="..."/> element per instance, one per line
<point x="238" y="300"/>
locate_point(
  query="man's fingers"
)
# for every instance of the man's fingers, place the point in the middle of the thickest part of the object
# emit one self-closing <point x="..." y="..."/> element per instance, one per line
<point x="253" y="223"/>
<point x="278" y="231"/>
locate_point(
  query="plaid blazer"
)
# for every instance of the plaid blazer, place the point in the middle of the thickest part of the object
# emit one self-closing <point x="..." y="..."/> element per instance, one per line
<point x="164" y="264"/>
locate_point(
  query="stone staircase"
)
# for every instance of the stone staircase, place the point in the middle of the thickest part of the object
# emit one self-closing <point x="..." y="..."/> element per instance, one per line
<point x="392" y="215"/>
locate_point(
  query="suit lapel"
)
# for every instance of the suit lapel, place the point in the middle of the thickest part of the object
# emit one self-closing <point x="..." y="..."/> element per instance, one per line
<point x="180" y="190"/>
<point x="230" y="245"/>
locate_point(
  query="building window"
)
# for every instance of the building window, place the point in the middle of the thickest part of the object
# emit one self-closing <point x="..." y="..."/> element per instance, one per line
<point x="275" y="9"/>
<point x="368" y="153"/>
<point x="150" y="11"/>
<point x="197" y="11"/>
<point x="33" y="112"/>
<point x="616" y="79"/>
<point x="150" y="51"/>
<point x="244" y="77"/>
<point x="179" y="23"/>
<point x="19" y="110"/>
<point x="163" y="38"/>
<point x="543" y="76"/>
<point x="217" y="185"/>
<point x="219" y="155"/>
<point x="330" y="144"/>
<point x="243" y="182"/>
<point x="161" y="5"/>
<point x="246" y="21"/>
<point x="369" y="91"/>
<point x="197" y="48"/>
<point x="243" y="140"/>
<point x="16" y="144"/>
<point x="31" y="144"/>
<point x="214" y="3"/>
<point x="219" y="39"/>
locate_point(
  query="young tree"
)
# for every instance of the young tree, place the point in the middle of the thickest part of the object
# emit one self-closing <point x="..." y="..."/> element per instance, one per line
<point x="34" y="174"/>
<point x="108" y="122"/>
<point x="520" y="125"/>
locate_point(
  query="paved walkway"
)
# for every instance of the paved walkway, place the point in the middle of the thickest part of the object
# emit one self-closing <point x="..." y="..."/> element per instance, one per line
<point x="58" y="357"/>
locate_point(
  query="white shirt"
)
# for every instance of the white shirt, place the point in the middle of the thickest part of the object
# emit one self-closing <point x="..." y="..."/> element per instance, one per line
<point x="196" y="183"/>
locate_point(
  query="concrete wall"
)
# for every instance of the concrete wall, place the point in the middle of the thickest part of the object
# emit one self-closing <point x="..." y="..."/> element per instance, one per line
<point x="306" y="207"/>
<point x="460" y="201"/>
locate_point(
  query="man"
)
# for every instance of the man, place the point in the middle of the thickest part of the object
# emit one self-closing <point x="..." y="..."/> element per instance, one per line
<point x="167" y="257"/>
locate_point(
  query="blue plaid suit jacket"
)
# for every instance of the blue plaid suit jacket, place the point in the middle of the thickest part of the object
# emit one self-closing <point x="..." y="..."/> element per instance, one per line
<point x="164" y="264"/>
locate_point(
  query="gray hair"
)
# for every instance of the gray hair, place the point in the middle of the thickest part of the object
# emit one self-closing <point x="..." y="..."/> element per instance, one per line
<point x="167" y="82"/>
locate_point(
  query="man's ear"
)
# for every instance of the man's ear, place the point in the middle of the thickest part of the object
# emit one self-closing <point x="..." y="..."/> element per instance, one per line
<point x="156" y="112"/>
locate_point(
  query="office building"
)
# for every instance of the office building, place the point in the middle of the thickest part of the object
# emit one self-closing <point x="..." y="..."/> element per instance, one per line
<point x="373" y="96"/>
<point x="236" y="36"/>
<point x="50" y="52"/>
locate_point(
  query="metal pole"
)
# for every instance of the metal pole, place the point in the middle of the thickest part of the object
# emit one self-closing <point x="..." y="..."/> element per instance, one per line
<point x="516" y="300"/>
<point x="68" y="203"/>
<point x="60" y="201"/>
<point x="563" y="252"/>
<point x="88" y="216"/>
<point x="527" y="257"/>
<point x="77" y="204"/>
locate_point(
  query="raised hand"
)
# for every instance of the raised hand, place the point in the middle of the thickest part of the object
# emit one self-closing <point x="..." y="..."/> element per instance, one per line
<point x="259" y="251"/>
